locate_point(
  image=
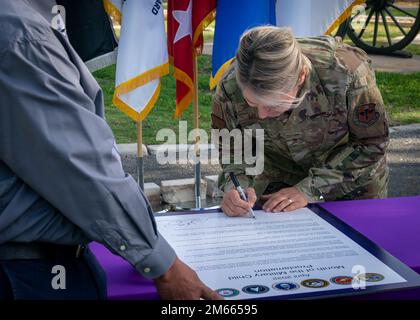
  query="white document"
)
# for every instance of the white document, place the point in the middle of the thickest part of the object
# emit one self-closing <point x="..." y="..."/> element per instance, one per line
<point x="274" y="254"/>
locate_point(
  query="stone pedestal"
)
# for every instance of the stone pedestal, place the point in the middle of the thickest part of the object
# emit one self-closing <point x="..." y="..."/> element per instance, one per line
<point x="181" y="190"/>
<point x="213" y="190"/>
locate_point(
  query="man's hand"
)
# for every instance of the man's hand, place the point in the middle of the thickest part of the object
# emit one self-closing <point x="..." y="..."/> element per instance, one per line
<point x="232" y="204"/>
<point x="287" y="199"/>
<point x="180" y="282"/>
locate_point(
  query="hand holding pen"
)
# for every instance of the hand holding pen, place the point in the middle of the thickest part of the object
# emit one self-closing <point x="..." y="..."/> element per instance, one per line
<point x="238" y="202"/>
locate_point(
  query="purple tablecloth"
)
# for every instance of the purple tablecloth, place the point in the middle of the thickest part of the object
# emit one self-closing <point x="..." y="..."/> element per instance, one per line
<point x="393" y="223"/>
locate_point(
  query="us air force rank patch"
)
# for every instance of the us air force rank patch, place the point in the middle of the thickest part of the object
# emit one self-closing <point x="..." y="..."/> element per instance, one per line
<point x="366" y="115"/>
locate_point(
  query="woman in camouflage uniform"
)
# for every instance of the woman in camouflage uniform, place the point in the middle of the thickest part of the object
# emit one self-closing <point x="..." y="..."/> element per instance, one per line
<point x="325" y="127"/>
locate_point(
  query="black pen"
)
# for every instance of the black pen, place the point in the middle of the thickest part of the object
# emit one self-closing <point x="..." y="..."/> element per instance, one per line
<point x="241" y="192"/>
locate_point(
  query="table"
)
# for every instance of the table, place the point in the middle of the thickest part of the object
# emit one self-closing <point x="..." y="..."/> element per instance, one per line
<point x="392" y="223"/>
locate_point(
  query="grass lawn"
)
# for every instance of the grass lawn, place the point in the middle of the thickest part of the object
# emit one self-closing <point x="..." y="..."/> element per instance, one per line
<point x="401" y="95"/>
<point x="400" y="92"/>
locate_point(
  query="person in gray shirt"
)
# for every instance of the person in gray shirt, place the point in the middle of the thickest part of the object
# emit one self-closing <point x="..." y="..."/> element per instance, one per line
<point x="62" y="184"/>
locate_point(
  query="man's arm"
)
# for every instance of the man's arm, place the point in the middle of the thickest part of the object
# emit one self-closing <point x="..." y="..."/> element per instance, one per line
<point x="53" y="141"/>
<point x="356" y="163"/>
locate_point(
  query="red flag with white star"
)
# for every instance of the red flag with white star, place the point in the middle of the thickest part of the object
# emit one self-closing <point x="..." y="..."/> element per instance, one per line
<point x="186" y="22"/>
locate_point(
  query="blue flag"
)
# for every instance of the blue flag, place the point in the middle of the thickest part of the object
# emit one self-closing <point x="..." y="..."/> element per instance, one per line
<point x="233" y="17"/>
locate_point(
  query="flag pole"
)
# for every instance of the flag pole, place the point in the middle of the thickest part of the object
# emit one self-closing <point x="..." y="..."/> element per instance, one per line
<point x="197" y="165"/>
<point x="140" y="165"/>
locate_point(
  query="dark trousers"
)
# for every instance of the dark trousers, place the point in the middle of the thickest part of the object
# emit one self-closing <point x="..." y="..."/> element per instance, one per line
<point x="34" y="279"/>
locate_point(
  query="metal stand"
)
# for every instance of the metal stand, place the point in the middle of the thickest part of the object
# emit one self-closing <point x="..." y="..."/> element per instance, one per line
<point x="140" y="164"/>
<point x="197" y="176"/>
<point x="197" y="166"/>
<point x="140" y="172"/>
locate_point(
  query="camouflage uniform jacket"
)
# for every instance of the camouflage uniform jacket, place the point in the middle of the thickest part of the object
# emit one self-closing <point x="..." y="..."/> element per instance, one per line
<point x="333" y="144"/>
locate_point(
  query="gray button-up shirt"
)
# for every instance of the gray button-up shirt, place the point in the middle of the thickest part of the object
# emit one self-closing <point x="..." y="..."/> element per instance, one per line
<point x="61" y="178"/>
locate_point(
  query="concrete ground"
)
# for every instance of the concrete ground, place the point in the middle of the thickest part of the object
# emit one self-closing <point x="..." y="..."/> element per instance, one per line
<point x="403" y="158"/>
<point x="404" y="161"/>
<point x="394" y="64"/>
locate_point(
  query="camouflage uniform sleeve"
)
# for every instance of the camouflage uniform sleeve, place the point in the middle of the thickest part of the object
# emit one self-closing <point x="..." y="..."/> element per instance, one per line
<point x="362" y="159"/>
<point x="224" y="119"/>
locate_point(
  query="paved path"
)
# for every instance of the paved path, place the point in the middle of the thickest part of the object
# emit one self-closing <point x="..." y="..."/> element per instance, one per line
<point x="404" y="161"/>
<point x="393" y="64"/>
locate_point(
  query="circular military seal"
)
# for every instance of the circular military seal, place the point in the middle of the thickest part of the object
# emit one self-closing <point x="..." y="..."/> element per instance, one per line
<point x="286" y="286"/>
<point x="343" y="280"/>
<point x="228" y="292"/>
<point x="315" y="283"/>
<point x="255" y="289"/>
<point x="371" y="277"/>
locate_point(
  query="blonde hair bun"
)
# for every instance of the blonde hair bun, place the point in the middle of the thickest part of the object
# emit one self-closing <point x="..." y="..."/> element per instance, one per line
<point x="269" y="61"/>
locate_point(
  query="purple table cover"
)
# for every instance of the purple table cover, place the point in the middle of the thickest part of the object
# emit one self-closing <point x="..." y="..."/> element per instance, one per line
<point x="393" y="224"/>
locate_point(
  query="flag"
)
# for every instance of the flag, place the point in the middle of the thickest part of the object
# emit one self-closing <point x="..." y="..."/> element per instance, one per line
<point x="313" y="18"/>
<point x="203" y="14"/>
<point x="186" y="21"/>
<point x="90" y="32"/>
<point x="142" y="55"/>
<point x="232" y="19"/>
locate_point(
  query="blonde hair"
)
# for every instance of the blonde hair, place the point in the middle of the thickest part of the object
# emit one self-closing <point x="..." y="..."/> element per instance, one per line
<point x="269" y="61"/>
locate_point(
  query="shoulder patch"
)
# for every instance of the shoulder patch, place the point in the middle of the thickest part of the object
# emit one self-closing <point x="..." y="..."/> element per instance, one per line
<point x="366" y="115"/>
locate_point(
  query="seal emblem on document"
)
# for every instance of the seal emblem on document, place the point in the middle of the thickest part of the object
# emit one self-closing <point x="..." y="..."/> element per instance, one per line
<point x="286" y="286"/>
<point x="343" y="280"/>
<point x="255" y="289"/>
<point x="315" y="283"/>
<point x="371" y="277"/>
<point x="228" y="292"/>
